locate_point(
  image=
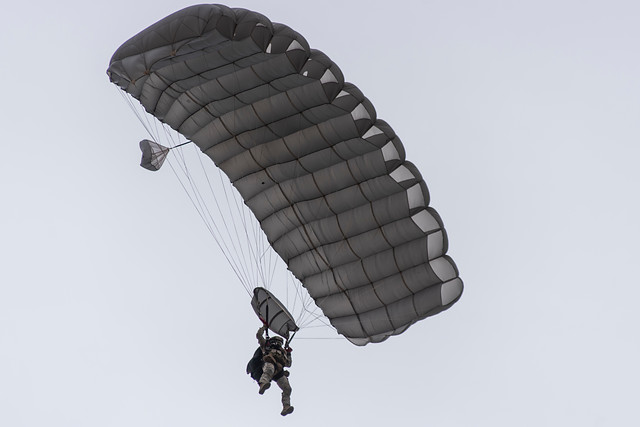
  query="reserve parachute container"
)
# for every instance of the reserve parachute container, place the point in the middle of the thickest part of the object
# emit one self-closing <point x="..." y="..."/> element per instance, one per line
<point x="326" y="179"/>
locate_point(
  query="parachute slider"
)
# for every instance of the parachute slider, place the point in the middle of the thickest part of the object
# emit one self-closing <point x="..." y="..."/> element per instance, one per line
<point x="154" y="154"/>
<point x="272" y="312"/>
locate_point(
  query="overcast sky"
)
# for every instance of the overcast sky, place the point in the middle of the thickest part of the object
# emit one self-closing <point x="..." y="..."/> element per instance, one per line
<point x="117" y="308"/>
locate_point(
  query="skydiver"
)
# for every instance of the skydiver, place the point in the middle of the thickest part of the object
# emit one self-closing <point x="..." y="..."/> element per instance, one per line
<point x="275" y="358"/>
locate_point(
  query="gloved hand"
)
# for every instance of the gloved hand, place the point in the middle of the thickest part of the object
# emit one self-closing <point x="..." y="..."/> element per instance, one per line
<point x="289" y="349"/>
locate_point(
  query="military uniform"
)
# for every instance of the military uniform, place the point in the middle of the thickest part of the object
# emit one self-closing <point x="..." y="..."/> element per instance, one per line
<point x="275" y="360"/>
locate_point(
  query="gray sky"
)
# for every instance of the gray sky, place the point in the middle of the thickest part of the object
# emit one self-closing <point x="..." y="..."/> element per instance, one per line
<point x="117" y="309"/>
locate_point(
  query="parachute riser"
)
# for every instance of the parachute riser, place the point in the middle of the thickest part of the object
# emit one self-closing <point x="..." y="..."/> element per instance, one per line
<point x="286" y="344"/>
<point x="267" y="322"/>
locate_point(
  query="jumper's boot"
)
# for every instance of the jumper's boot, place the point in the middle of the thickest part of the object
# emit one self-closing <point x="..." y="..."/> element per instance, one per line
<point x="264" y="387"/>
<point x="286" y="410"/>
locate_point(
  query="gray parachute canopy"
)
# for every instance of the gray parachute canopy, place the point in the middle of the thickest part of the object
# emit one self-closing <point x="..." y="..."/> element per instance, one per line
<point x="325" y="178"/>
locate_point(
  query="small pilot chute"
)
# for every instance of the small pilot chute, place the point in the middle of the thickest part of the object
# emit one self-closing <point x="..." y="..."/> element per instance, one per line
<point x="153" y="154"/>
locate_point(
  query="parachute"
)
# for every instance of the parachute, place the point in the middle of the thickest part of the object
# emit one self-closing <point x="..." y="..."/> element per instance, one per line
<point x="326" y="179"/>
<point x="153" y="155"/>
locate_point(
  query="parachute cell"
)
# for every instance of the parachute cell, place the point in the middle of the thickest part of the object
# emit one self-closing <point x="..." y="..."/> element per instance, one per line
<point x="327" y="180"/>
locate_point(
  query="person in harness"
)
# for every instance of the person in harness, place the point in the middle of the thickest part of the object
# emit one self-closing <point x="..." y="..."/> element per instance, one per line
<point x="268" y="364"/>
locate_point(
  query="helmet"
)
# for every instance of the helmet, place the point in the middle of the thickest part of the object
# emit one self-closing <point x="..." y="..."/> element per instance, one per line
<point x="275" y="342"/>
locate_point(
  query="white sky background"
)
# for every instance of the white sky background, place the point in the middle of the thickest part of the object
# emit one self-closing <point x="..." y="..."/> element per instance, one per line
<point x="117" y="309"/>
